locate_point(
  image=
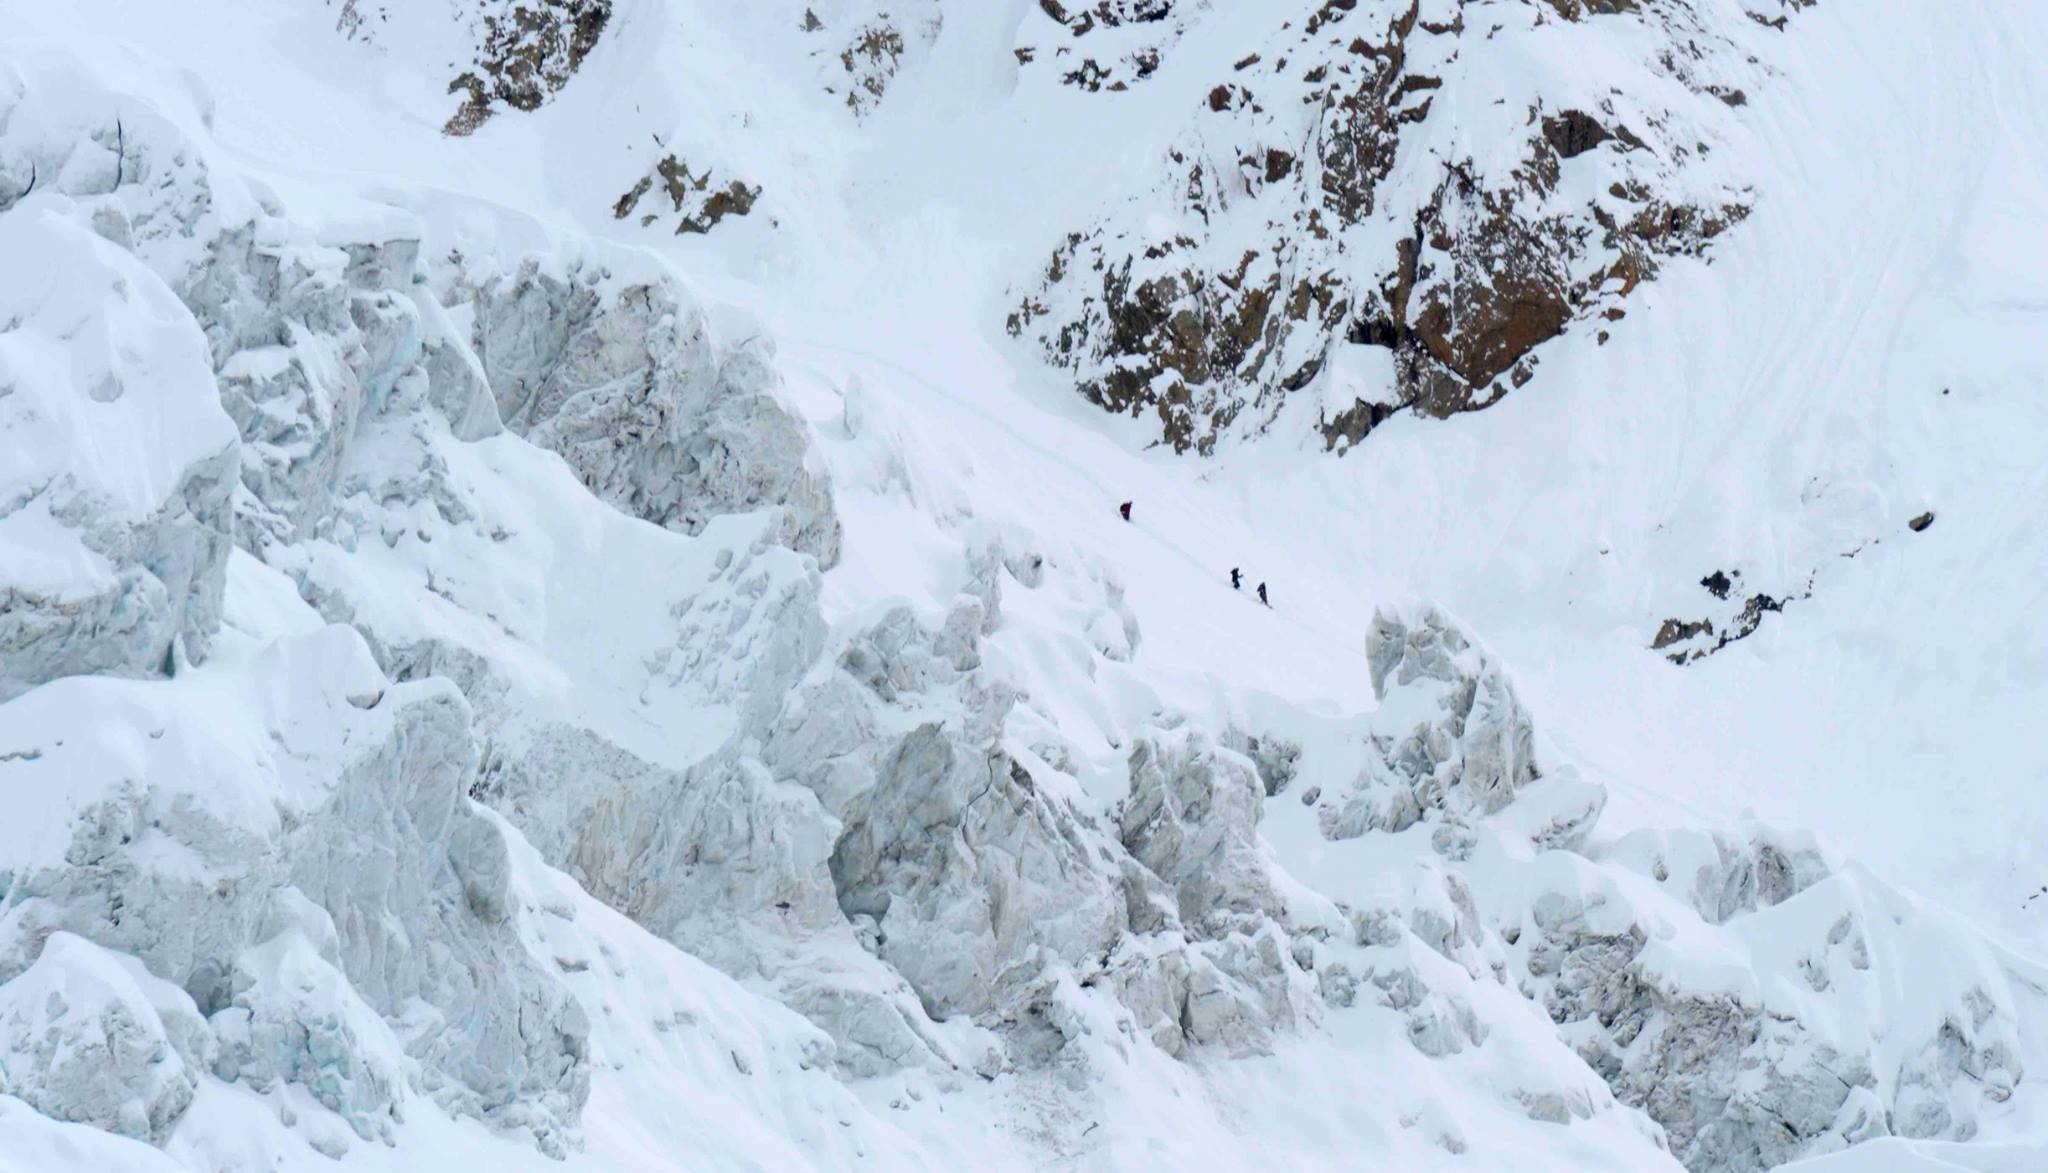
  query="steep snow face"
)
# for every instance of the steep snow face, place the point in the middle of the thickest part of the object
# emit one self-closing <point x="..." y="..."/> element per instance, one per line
<point x="579" y="642"/>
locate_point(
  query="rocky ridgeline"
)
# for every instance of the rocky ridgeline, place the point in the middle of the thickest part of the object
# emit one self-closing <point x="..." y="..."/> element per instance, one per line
<point x="1424" y="181"/>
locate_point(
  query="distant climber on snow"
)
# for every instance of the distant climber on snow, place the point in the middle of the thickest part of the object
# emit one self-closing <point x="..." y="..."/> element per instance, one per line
<point x="1262" y="595"/>
<point x="1125" y="509"/>
<point x="1236" y="579"/>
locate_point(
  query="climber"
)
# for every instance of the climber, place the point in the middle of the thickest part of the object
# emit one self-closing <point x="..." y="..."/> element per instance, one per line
<point x="1262" y="595"/>
<point x="1125" y="509"/>
<point x="1236" y="579"/>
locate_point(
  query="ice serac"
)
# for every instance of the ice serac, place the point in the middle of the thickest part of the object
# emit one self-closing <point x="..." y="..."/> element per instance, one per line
<point x="308" y="340"/>
<point x="868" y="843"/>
<point x="358" y="365"/>
<point x="292" y="1017"/>
<point x="1756" y="1000"/>
<point x="951" y="852"/>
<point x="308" y="332"/>
<point x="350" y="849"/>
<point x="1749" y="1073"/>
<point x="973" y="871"/>
<point x="356" y="819"/>
<point x="1340" y="192"/>
<point x="491" y="566"/>
<point x="966" y="872"/>
<point x="1451" y="737"/>
<point x="190" y="816"/>
<point x="625" y="380"/>
<point x="90" y="1036"/>
<point x="116" y="462"/>
<point x="1192" y="819"/>
<point x="731" y="863"/>
<point x="507" y="1040"/>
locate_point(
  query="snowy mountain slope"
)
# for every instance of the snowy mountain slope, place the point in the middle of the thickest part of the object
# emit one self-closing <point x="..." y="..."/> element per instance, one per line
<point x="804" y="637"/>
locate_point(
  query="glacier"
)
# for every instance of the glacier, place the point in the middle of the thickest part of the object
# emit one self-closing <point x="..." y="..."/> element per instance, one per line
<point x="562" y="599"/>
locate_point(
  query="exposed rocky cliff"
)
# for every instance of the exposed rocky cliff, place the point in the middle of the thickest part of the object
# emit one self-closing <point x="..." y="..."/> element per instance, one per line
<point x="1426" y="180"/>
<point x="525" y="51"/>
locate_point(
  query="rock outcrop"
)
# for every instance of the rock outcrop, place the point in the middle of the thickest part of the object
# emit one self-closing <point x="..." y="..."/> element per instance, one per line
<point x="858" y="47"/>
<point x="696" y="202"/>
<point x="1109" y="45"/>
<point x="1337" y="193"/>
<point x="526" y="50"/>
<point x="1740" y="612"/>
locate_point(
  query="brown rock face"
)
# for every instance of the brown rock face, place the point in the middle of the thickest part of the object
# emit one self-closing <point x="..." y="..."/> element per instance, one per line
<point x="1503" y="289"/>
<point x="870" y="61"/>
<point x="698" y="203"/>
<point x="1573" y="132"/>
<point x="1740" y="611"/>
<point x="860" y="46"/>
<point x="529" y="49"/>
<point x="1354" y="215"/>
<point x="1110" y="45"/>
